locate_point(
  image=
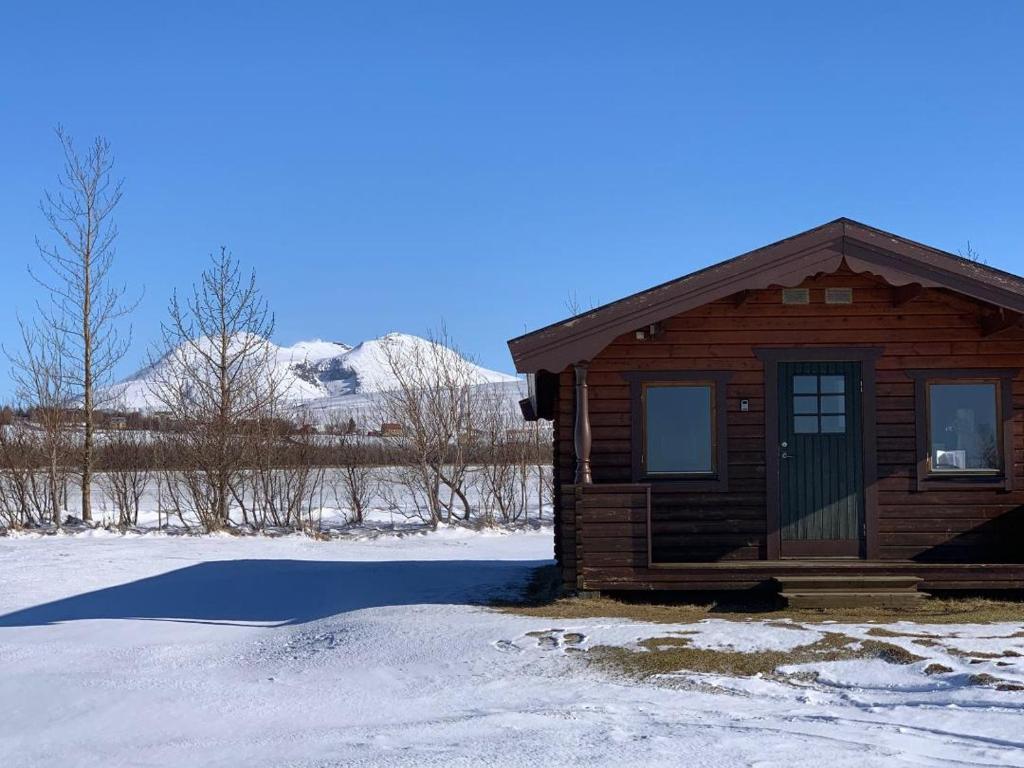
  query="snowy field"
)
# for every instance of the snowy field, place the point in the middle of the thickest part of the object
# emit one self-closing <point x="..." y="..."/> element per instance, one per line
<point x="390" y="507"/>
<point x="154" y="650"/>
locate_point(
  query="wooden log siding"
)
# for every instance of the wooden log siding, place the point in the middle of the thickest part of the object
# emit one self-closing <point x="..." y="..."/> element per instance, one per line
<point x="613" y="522"/>
<point x="946" y="529"/>
<point x="564" y="510"/>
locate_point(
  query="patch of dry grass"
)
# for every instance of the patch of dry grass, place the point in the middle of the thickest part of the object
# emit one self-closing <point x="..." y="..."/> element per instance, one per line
<point x="977" y="657"/>
<point x="883" y="632"/>
<point x="668" y="655"/>
<point x="785" y="625"/>
<point x="540" y="601"/>
<point x="604" y="607"/>
<point x="931" y="611"/>
<point x="990" y="681"/>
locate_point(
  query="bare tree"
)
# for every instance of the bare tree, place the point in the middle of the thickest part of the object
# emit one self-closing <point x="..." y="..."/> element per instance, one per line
<point x="216" y="377"/>
<point x="575" y="306"/>
<point x="968" y="252"/>
<point x="429" y="401"/>
<point x="85" y="306"/>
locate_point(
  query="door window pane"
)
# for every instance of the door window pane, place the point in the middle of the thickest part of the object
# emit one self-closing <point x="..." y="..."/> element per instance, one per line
<point x="804" y="404"/>
<point x="833" y="384"/>
<point x="833" y="425"/>
<point x="963" y="428"/>
<point x="679" y="429"/>
<point x="805" y="385"/>
<point x="833" y="404"/>
<point x="805" y="425"/>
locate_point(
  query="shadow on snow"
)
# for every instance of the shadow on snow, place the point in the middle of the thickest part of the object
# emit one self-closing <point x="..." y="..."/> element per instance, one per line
<point x="283" y="592"/>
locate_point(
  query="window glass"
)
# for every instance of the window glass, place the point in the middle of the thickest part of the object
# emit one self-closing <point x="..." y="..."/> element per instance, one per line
<point x="804" y="404"/>
<point x="679" y="429"/>
<point x="833" y="384"/>
<point x="833" y="424"/>
<point x="833" y="404"/>
<point x="805" y="425"/>
<point x="963" y="428"/>
<point x="819" y="405"/>
<point x="804" y="385"/>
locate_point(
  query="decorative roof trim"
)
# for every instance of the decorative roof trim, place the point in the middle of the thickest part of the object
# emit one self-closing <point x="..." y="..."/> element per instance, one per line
<point x="787" y="263"/>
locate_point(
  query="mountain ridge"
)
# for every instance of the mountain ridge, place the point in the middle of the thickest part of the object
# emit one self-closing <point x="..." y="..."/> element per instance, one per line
<point x="326" y="376"/>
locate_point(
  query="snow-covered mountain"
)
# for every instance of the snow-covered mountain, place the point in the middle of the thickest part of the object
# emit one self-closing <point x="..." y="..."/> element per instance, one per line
<point x="327" y="377"/>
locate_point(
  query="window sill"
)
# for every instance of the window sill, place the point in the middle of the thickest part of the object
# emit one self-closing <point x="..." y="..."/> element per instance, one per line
<point x="967" y="482"/>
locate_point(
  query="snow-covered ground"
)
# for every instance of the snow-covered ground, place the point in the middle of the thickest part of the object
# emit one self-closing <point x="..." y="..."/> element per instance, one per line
<point x="155" y="650"/>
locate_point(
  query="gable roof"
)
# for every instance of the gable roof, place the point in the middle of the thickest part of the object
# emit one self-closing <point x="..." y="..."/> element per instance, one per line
<point x="787" y="263"/>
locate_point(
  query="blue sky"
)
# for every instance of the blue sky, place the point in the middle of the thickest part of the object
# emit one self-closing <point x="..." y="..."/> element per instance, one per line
<point x="386" y="166"/>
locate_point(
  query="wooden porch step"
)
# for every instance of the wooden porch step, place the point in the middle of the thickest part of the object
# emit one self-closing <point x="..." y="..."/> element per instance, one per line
<point x="827" y="599"/>
<point x="847" y="584"/>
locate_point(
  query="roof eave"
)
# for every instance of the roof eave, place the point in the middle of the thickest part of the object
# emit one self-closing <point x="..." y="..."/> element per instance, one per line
<point x="787" y="263"/>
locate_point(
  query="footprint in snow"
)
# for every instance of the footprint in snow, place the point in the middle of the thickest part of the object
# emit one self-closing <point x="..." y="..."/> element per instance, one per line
<point x="507" y="646"/>
<point x="550" y="639"/>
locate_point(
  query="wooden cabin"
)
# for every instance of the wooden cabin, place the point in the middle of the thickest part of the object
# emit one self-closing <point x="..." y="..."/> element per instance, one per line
<point x="844" y="404"/>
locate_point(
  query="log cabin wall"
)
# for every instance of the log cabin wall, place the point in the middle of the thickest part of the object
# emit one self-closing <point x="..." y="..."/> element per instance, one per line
<point x="563" y="502"/>
<point x="602" y="540"/>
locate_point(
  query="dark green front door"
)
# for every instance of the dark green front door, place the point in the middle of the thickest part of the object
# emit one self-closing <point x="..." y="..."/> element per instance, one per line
<point x="821" y="459"/>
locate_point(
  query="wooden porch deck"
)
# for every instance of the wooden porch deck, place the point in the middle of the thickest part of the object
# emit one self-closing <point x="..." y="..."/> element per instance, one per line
<point x="760" y="574"/>
<point x="611" y="527"/>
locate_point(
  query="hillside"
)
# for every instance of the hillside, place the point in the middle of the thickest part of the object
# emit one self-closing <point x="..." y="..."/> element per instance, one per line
<point x="327" y="377"/>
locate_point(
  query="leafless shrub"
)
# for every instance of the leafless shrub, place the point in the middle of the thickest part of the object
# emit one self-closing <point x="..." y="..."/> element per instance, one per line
<point x="353" y="480"/>
<point x="410" y="492"/>
<point x="513" y="454"/>
<point x="40" y="380"/>
<point x="129" y="457"/>
<point x="545" y="485"/>
<point x="283" y="484"/>
<point x="20" y="459"/>
<point x="429" y="400"/>
<point x="504" y="476"/>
